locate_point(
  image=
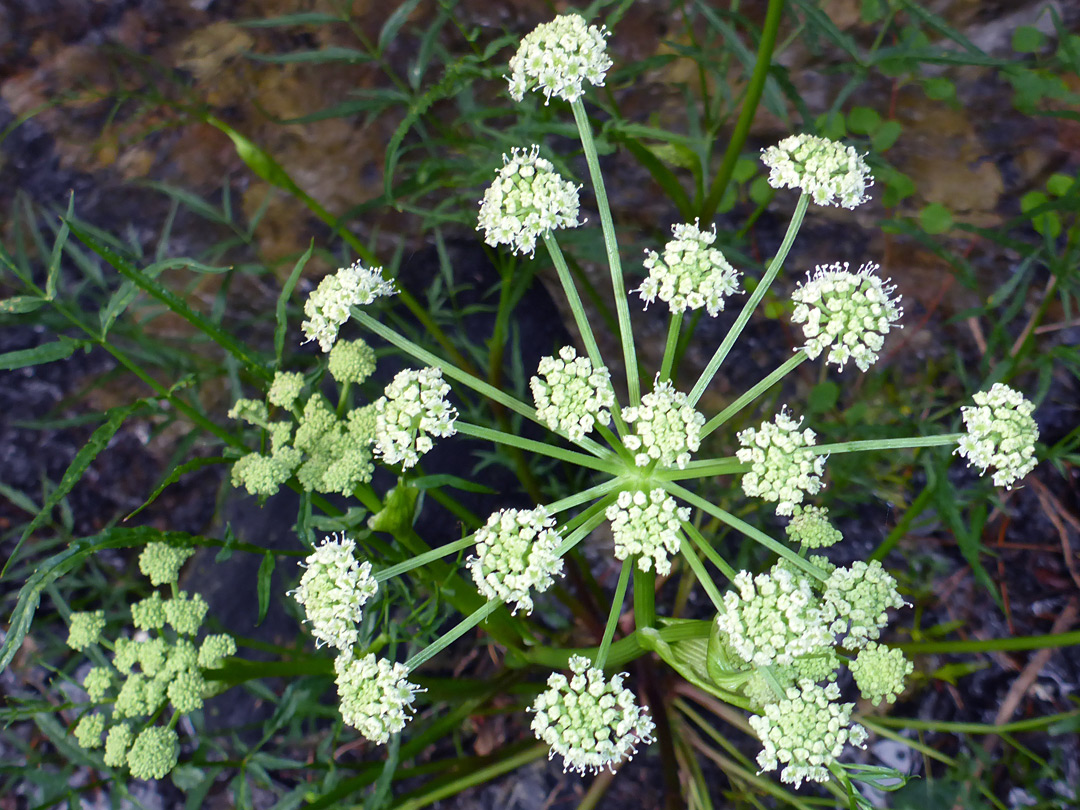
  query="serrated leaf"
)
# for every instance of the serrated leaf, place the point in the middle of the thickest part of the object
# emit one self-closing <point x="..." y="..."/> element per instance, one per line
<point x="887" y="135"/>
<point x="266" y="573"/>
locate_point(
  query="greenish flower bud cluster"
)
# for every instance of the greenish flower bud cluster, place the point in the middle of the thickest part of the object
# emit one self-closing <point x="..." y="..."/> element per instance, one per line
<point x="806" y="732"/>
<point x="571" y="395"/>
<point x="857" y="600"/>
<point x="413" y="410"/>
<point x="327" y="308"/>
<point x="527" y="199"/>
<point x="332" y="591"/>
<point x="161" y="562"/>
<point x="879" y="672"/>
<point x="286" y="388"/>
<point x="375" y="696"/>
<point x="351" y="362"/>
<point x="847" y="313"/>
<point x="1001" y="433"/>
<point x="557" y="57"/>
<point x="691" y="274"/>
<point x="831" y="173"/>
<point x="515" y="555"/>
<point x="783" y="467"/>
<point x="592" y="722"/>
<point x="647" y="525"/>
<point x="667" y="429"/>
<point x="811" y="528"/>
<point x="85" y="628"/>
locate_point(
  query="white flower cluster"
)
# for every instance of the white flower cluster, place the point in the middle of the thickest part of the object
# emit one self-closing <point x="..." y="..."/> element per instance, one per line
<point x="327" y="308"/>
<point x="556" y="57"/>
<point x="376" y="696"/>
<point x="527" y="199"/>
<point x="1000" y="433"/>
<point x="667" y="428"/>
<point x="592" y="722"/>
<point x="571" y="395"/>
<point x="847" y="313"/>
<point x="833" y="174"/>
<point x="857" y="599"/>
<point x="879" y="672"/>
<point x="810" y="527"/>
<point x="647" y="523"/>
<point x="783" y="467"/>
<point x="806" y="732"/>
<point x="515" y="553"/>
<point x="413" y="410"/>
<point x="333" y="590"/>
<point x="691" y="274"/>
<point x="773" y="618"/>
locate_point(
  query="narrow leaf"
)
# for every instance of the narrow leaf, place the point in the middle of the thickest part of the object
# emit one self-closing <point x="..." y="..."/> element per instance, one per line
<point x="301" y="18"/>
<point x="266" y="572"/>
<point x="45" y="353"/>
<point x="19" y="304"/>
<point x="283" y="300"/>
<point x="58" y="251"/>
<point x="314" y="57"/>
<point x="394" y="22"/>
<point x="176" y="475"/>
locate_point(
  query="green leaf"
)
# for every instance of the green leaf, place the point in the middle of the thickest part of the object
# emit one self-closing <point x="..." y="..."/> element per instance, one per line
<point x="1059" y="184"/>
<point x="1027" y="39"/>
<point x="898" y="186"/>
<point x="177" y="474"/>
<point x="760" y="190"/>
<point x="831" y="125"/>
<point x="652" y="159"/>
<point x="394" y="22"/>
<point x="398" y="509"/>
<point x="302" y="18"/>
<point x="315" y="57"/>
<point x="20" y="304"/>
<point x="823" y="397"/>
<point x="266" y="573"/>
<point x="58" y="251"/>
<point x="886" y="135"/>
<point x="935" y="218"/>
<point x="939" y="88"/>
<point x="283" y="300"/>
<point x="445" y="480"/>
<point x="45" y="353"/>
<point x="863" y="120"/>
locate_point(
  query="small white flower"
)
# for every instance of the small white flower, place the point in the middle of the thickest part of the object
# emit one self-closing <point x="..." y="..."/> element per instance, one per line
<point x="571" y="395"/>
<point x="375" y="696"/>
<point x="647" y="523"/>
<point x="527" y="199"/>
<point x="1000" y="433"/>
<point x="833" y="174"/>
<point x="856" y="600"/>
<point x="327" y="308"/>
<point x="806" y="731"/>
<point x="783" y="468"/>
<point x="848" y="313"/>
<point x="592" y="722"/>
<point x="556" y="57"/>
<point x="515" y="554"/>
<point x="691" y="274"/>
<point x="333" y="590"/>
<point x="413" y="410"/>
<point x="667" y="428"/>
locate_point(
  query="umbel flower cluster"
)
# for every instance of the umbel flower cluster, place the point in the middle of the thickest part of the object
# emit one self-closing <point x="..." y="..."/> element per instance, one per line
<point x="780" y="635"/>
<point x="161" y="665"/>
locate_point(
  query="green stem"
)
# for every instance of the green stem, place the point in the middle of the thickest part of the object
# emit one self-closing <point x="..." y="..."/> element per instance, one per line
<point x="751" y="303"/>
<point x="669" y="348"/>
<point x="770" y="678"/>
<point x="704" y="468"/>
<point x="424" y="559"/>
<point x="613" y="440"/>
<point x="703" y="577"/>
<point x="570" y="501"/>
<point x="992" y="644"/>
<point x="1031" y="724"/>
<point x="569" y="456"/>
<point x="749" y="108"/>
<point x="591" y="518"/>
<point x="754" y="393"/>
<point x="622" y="651"/>
<point x="580" y="318"/>
<point x="472" y="381"/>
<point x="644" y="598"/>
<point x="887" y="444"/>
<point x="613" y="614"/>
<point x="633" y="384"/>
<point x="500" y="766"/>
<point x="460" y="629"/>
<point x="706" y="548"/>
<point x="744" y="527"/>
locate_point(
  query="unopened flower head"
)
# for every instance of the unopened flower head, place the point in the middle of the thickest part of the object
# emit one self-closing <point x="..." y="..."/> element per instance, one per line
<point x="515" y="554"/>
<point x="817" y="666"/>
<point x="783" y="468"/>
<point x="97" y="683"/>
<point x="327" y="308"/>
<point x="772" y="618"/>
<point x="847" y="313"/>
<point x="857" y="599"/>
<point x="571" y="395"/>
<point x="161" y="562"/>
<point x="117" y="743"/>
<point x="806" y="732"/>
<point x="185" y="613"/>
<point x="879" y="672"/>
<point x="88" y="730"/>
<point x="214" y="649"/>
<point x="691" y="274"/>
<point x="351" y="361"/>
<point x="1000" y="433"/>
<point x="810" y="527"/>
<point x="831" y="173"/>
<point x="667" y="429"/>
<point x="556" y="57"/>
<point x="376" y="696"/>
<point x="647" y="524"/>
<point x="149" y="613"/>
<point x="333" y="589"/>
<point x="285" y="389"/>
<point x="154" y="753"/>
<point x="592" y="722"/>
<point x="413" y="410"/>
<point x="527" y="199"/>
<point x="84" y="628"/>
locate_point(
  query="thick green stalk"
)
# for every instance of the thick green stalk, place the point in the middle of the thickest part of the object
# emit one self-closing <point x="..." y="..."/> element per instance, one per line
<point x="759" y="389"/>
<point x="669" y="348"/>
<point x="766" y="45"/>
<point x="613" y="614"/>
<point x="569" y="456"/>
<point x="703" y="468"/>
<point x="448" y="638"/>
<point x="887" y="444"/>
<point x="423" y="559"/>
<point x="644" y="598"/>
<point x="744" y="527"/>
<point x="752" y="302"/>
<point x="591" y="518"/>
<point x="622" y="307"/>
<point x="578" y="498"/>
